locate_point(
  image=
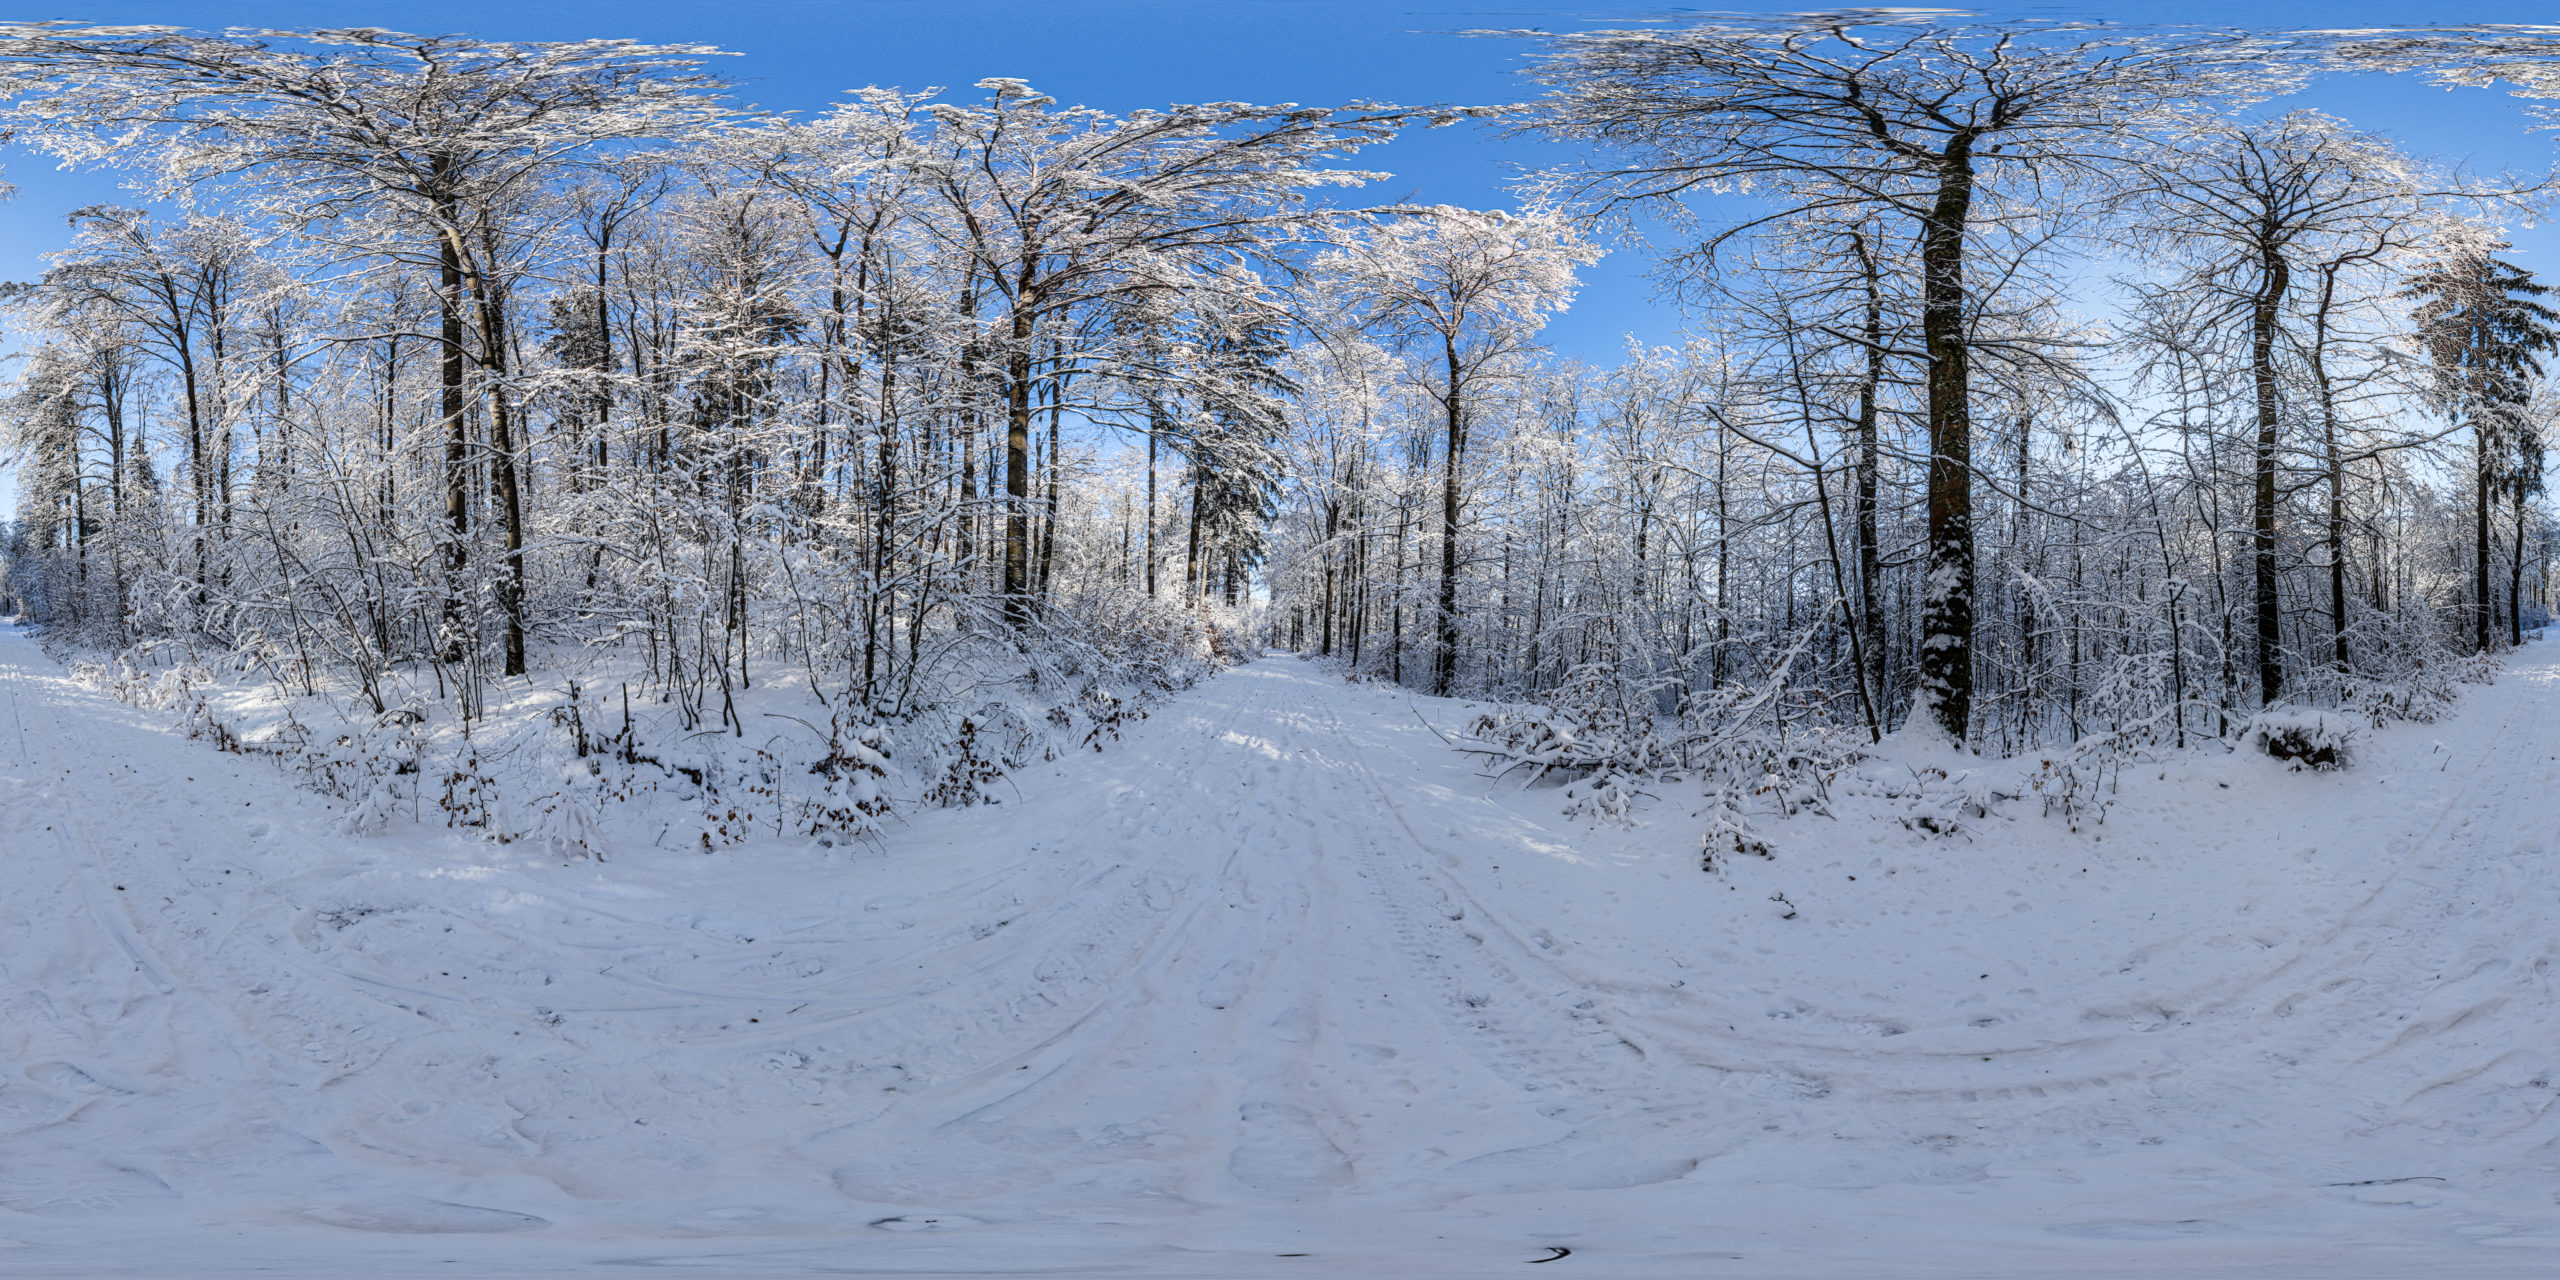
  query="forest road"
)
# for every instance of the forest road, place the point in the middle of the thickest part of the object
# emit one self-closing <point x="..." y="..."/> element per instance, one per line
<point x="1280" y="973"/>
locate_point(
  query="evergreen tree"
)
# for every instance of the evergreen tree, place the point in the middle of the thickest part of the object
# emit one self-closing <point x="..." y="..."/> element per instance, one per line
<point x="2484" y="333"/>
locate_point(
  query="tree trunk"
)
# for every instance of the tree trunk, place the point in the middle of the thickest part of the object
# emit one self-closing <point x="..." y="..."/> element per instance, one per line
<point x="1193" y="581"/>
<point x="1445" y="665"/>
<point x="1724" y="559"/>
<point x="2336" y="532"/>
<point x="1155" y="432"/>
<point x="2515" y="577"/>
<point x="2275" y="275"/>
<point x="457" y="439"/>
<point x="1049" y="516"/>
<point x="502" y="446"/>
<point x="1395" y="642"/>
<point x="196" y="460"/>
<point x="1946" y="610"/>
<point x="1332" y="528"/>
<point x="2482" y="495"/>
<point x="1870" y="553"/>
<point x="2020" y="539"/>
<point x="1017" y="467"/>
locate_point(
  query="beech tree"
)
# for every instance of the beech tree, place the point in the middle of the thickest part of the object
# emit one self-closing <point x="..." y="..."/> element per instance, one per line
<point x="347" y="130"/>
<point x="1466" y="292"/>
<point x="1060" y="210"/>
<point x="1953" y="127"/>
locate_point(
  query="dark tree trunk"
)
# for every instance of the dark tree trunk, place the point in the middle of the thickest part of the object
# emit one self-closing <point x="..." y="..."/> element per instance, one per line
<point x="1324" y="623"/>
<point x="2336" y="533"/>
<point x="2275" y="275"/>
<point x="1155" y="432"/>
<point x="1049" y="513"/>
<point x="2482" y="495"/>
<point x="502" y="447"/>
<point x="2515" y="576"/>
<point x="1194" y="582"/>
<point x="1870" y="553"/>
<point x="1017" y="468"/>
<point x="1445" y="665"/>
<point x="1946" y="610"/>
<point x="457" y="439"/>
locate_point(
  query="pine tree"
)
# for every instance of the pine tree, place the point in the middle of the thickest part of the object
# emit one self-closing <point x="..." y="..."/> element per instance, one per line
<point x="2484" y="333"/>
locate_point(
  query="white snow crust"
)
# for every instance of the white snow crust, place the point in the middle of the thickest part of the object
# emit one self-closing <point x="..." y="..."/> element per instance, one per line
<point x="1281" y="986"/>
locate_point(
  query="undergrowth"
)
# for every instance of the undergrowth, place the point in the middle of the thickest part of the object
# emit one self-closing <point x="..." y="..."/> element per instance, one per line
<point x="573" y="767"/>
<point x="1750" y="751"/>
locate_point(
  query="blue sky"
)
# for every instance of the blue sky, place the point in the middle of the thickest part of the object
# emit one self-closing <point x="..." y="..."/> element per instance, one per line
<point x="1121" y="54"/>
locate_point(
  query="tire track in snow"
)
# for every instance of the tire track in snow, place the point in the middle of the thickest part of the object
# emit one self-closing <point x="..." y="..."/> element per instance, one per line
<point x="2404" y="935"/>
<point x="1049" y="1103"/>
<point x="1090" y="956"/>
<point x="69" y="839"/>
<point x="2482" y="997"/>
<point x="270" y="997"/>
<point x="1491" y="987"/>
<point x="2353" y="1001"/>
<point x="138" y="1054"/>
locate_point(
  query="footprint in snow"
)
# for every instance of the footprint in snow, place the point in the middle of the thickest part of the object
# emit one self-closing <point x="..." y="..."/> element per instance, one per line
<point x="1225" y="984"/>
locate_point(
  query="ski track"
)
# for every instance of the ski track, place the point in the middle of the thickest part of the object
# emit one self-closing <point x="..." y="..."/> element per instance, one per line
<point x="1277" y="974"/>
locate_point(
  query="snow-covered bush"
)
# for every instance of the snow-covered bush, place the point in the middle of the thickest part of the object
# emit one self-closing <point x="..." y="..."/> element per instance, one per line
<point x="2423" y="686"/>
<point x="1596" y="728"/>
<point x="853" y="794"/>
<point x="700" y="765"/>
<point x="2305" y="737"/>
<point x="982" y="747"/>
<point x="1604" y="737"/>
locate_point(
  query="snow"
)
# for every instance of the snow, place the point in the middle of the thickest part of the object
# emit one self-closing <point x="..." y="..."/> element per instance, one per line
<point x="1279" y="974"/>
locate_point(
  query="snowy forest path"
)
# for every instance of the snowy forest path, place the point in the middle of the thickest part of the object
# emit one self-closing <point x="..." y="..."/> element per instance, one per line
<point x="1279" y="971"/>
<point x="138" y="994"/>
<point x="1201" y="967"/>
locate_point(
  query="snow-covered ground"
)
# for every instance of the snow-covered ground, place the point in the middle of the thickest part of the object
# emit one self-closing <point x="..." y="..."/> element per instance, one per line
<point x="1279" y="986"/>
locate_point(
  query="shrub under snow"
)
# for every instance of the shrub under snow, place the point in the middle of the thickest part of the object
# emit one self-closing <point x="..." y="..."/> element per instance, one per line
<point x="2307" y="738"/>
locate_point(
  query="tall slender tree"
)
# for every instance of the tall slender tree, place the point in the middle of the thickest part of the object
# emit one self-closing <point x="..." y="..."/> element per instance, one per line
<point x="1466" y="293"/>
<point x="2485" y="336"/>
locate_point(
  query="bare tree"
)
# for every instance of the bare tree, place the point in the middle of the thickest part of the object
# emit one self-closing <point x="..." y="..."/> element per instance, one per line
<point x="443" y="136"/>
<point x="1955" y="127"/>
<point x="2255" y="213"/>
<point x="1471" y="290"/>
